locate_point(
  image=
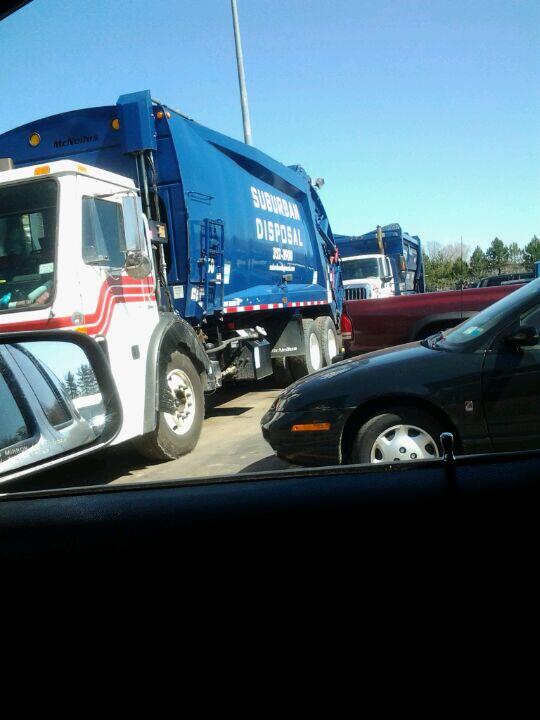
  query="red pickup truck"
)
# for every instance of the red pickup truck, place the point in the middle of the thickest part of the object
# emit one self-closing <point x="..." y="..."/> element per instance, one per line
<point x="378" y="323"/>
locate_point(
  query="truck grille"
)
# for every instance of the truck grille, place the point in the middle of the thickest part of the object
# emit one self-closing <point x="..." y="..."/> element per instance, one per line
<point x="355" y="293"/>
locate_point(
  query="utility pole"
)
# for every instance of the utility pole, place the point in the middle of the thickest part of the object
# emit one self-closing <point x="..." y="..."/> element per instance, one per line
<point x="241" y="77"/>
<point x="461" y="263"/>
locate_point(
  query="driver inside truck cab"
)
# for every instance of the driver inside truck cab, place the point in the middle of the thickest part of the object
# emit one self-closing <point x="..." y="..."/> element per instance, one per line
<point x="14" y="260"/>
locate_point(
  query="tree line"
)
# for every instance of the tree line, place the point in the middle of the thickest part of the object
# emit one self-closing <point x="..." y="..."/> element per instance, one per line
<point x="451" y="266"/>
<point x="82" y="383"/>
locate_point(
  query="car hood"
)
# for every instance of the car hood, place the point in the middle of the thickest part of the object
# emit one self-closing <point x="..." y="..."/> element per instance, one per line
<point x="405" y="369"/>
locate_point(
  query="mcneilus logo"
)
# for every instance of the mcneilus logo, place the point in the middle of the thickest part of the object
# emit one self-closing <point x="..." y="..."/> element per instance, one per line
<point x="75" y="141"/>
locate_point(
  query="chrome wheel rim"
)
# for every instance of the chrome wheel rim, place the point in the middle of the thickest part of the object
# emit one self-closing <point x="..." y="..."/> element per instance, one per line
<point x="181" y="389"/>
<point x="315" y="351"/>
<point x="332" y="344"/>
<point x="401" y="443"/>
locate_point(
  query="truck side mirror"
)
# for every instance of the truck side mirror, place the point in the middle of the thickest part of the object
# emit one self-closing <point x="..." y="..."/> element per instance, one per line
<point x="138" y="265"/>
<point x="525" y="336"/>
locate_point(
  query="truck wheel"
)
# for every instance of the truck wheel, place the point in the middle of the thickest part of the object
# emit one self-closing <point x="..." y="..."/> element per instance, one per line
<point x="398" y="435"/>
<point x="312" y="359"/>
<point x="326" y="330"/>
<point x="178" y="430"/>
<point x="282" y="374"/>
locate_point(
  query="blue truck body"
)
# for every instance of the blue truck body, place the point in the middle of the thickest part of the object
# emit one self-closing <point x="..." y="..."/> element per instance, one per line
<point x="246" y="233"/>
<point x="404" y="251"/>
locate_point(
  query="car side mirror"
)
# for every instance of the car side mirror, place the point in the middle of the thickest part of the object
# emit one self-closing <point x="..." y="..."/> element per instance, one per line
<point x="58" y="399"/>
<point x="525" y="336"/>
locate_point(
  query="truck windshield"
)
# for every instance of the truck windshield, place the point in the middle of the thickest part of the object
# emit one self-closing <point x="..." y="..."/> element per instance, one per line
<point x="360" y="268"/>
<point x="28" y="216"/>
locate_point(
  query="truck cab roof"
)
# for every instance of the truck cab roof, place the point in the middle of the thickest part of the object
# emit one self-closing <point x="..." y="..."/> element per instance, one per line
<point x="63" y="167"/>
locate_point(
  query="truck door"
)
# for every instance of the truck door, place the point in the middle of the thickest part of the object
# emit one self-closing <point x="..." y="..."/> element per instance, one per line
<point x="511" y="390"/>
<point x="117" y="307"/>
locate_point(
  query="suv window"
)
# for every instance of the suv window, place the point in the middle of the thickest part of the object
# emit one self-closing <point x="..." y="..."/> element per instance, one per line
<point x="103" y="232"/>
<point x="52" y="405"/>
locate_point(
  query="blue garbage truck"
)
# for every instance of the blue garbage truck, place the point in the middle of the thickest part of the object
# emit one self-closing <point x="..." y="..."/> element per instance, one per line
<point x="382" y="263"/>
<point x="191" y="257"/>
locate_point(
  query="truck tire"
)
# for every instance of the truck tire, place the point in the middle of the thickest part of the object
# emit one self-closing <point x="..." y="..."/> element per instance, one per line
<point x="178" y="431"/>
<point x="398" y="434"/>
<point x="312" y="359"/>
<point x="328" y="337"/>
<point x="282" y="373"/>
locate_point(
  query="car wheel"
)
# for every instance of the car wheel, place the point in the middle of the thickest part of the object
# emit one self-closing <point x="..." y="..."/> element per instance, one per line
<point x="179" y="428"/>
<point x="328" y="338"/>
<point x="398" y="435"/>
<point x="312" y="358"/>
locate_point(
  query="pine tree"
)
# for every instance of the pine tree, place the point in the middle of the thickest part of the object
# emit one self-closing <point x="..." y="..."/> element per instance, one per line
<point x="497" y="256"/>
<point x="515" y="255"/>
<point x="478" y="263"/>
<point x="86" y="381"/>
<point x="71" y="385"/>
<point x="531" y="252"/>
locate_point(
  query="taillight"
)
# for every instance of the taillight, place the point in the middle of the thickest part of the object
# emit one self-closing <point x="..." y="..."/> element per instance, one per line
<point x="346" y="327"/>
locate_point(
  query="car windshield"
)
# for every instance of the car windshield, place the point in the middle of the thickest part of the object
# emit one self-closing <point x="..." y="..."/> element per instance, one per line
<point x="480" y="324"/>
<point x="28" y="213"/>
<point x="360" y="268"/>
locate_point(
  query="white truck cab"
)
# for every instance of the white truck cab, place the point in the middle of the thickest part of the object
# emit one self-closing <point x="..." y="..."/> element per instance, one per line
<point x="371" y="273"/>
<point x="70" y="239"/>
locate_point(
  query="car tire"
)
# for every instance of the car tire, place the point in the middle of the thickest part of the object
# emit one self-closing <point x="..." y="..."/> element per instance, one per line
<point x="398" y="434"/>
<point x="328" y="338"/>
<point x="281" y="372"/>
<point x="177" y="432"/>
<point x="312" y="358"/>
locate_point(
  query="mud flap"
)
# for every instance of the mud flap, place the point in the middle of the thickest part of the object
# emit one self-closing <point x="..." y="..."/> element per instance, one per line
<point x="291" y="341"/>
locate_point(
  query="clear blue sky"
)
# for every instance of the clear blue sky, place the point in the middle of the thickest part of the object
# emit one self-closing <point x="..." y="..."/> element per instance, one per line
<point x="422" y="112"/>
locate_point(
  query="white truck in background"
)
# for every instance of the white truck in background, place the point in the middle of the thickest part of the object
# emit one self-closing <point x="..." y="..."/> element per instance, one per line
<point x="372" y="273"/>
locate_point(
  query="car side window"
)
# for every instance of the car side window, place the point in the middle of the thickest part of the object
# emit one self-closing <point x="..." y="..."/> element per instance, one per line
<point x="52" y="405"/>
<point x="103" y="235"/>
<point x="13" y="427"/>
<point x="531" y="317"/>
